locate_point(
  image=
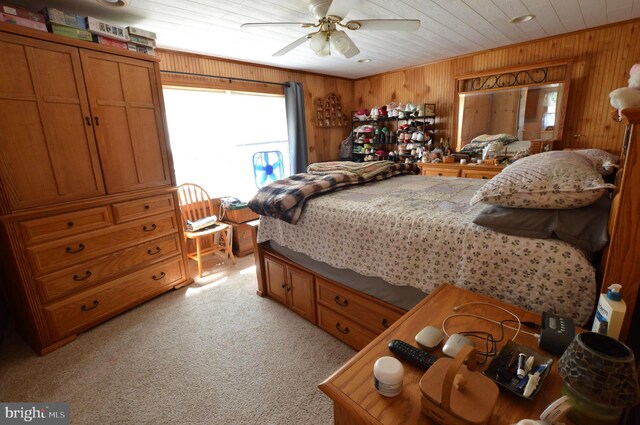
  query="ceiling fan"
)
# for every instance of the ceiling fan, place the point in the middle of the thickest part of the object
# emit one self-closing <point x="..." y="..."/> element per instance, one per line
<point x="330" y="14"/>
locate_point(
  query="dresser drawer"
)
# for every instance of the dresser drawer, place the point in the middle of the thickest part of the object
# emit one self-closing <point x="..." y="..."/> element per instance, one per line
<point x="344" y="328"/>
<point x="444" y="172"/>
<point x="138" y="208"/>
<point x="81" y="311"/>
<point x="63" y="225"/>
<point x="366" y="312"/>
<point x="56" y="255"/>
<point x="85" y="275"/>
<point x="479" y="174"/>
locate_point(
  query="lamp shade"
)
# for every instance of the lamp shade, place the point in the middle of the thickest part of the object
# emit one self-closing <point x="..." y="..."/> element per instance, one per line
<point x="343" y="44"/>
<point x="319" y="44"/>
<point x="601" y="369"/>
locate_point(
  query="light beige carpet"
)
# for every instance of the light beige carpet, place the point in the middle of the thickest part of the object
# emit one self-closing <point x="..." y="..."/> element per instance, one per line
<point x="211" y="353"/>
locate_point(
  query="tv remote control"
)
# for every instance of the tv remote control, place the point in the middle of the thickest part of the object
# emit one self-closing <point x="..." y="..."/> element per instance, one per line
<point x="413" y="355"/>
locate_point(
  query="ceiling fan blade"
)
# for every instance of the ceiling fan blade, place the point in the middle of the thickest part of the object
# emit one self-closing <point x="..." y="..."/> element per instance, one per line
<point x="291" y="46"/>
<point x="342" y="7"/>
<point x="384" y="24"/>
<point x="272" y="24"/>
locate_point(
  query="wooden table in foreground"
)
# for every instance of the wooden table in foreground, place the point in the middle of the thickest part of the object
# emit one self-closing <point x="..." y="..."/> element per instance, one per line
<point x="356" y="400"/>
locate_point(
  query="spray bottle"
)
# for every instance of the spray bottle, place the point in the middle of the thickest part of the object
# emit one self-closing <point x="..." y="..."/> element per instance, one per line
<point x="610" y="312"/>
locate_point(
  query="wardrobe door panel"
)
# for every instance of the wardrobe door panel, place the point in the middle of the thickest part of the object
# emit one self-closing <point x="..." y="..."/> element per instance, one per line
<point x="48" y="148"/>
<point x="125" y="102"/>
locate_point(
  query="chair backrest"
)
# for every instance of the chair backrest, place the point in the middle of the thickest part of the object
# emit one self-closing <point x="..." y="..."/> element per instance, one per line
<point x="267" y="166"/>
<point x="194" y="202"/>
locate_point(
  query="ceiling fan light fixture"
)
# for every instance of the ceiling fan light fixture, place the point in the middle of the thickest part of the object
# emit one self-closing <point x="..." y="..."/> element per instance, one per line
<point x="522" y="18"/>
<point x="340" y="42"/>
<point x="319" y="44"/>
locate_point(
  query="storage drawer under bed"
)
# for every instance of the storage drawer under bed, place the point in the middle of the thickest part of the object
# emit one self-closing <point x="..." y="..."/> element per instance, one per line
<point x="364" y="311"/>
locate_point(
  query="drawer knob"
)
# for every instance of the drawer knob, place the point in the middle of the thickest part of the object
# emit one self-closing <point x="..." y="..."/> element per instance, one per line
<point x="385" y="323"/>
<point x="86" y="276"/>
<point x="284" y="285"/>
<point x="85" y="308"/>
<point x="341" y="303"/>
<point x="159" y="277"/>
<point x="439" y="174"/>
<point x="149" y="228"/>
<point x="146" y="207"/>
<point x="75" y="251"/>
<point x="485" y="177"/>
<point x="156" y="251"/>
<point x="70" y="224"/>
<point x="341" y="329"/>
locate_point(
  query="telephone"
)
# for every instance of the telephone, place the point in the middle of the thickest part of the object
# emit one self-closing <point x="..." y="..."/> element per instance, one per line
<point x="229" y="202"/>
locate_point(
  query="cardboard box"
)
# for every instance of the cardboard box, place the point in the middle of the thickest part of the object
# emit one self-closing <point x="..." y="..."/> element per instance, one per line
<point x="16" y="20"/>
<point x="111" y="31"/>
<point x="142" y="33"/>
<point x="143" y="41"/>
<point x="109" y="41"/>
<point x="67" y="31"/>
<point x="61" y="17"/>
<point x="21" y="12"/>
<point x="141" y="49"/>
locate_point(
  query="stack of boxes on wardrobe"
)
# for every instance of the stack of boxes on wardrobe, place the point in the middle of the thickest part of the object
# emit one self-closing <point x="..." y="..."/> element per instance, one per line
<point x="86" y="28"/>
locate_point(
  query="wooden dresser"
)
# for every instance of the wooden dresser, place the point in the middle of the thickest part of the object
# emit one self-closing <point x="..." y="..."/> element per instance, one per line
<point x="89" y="213"/>
<point x="471" y="171"/>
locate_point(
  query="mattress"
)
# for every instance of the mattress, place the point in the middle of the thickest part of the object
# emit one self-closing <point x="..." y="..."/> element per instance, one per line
<point x="418" y="231"/>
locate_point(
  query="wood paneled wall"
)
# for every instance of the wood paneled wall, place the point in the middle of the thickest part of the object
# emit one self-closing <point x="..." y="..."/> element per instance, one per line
<point x="323" y="143"/>
<point x="602" y="59"/>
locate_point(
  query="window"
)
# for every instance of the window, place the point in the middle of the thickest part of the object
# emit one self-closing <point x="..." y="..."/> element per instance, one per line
<point x="549" y="112"/>
<point x="214" y="135"/>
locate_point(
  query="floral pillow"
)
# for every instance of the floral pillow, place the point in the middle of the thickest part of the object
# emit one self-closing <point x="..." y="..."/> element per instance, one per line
<point x="555" y="179"/>
<point x="607" y="162"/>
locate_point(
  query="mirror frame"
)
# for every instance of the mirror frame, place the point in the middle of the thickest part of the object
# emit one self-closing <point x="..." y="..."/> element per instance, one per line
<point x="531" y="75"/>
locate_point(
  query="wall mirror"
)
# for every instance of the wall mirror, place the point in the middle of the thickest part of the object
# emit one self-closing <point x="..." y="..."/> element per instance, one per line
<point x="526" y="102"/>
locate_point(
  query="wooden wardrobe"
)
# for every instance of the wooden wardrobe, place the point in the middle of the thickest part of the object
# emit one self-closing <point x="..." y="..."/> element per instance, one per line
<point x="88" y="206"/>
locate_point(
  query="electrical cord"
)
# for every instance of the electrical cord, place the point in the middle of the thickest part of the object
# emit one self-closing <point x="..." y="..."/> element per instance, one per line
<point x="490" y="344"/>
<point x="517" y="319"/>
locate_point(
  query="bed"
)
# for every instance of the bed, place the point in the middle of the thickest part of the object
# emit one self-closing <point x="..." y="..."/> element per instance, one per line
<point x="417" y="232"/>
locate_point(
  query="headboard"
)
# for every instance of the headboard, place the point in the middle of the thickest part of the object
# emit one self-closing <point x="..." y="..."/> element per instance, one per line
<point x="621" y="262"/>
<point x="527" y="101"/>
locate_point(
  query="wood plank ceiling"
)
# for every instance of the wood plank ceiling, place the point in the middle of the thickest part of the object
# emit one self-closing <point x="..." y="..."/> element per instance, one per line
<point x="448" y="27"/>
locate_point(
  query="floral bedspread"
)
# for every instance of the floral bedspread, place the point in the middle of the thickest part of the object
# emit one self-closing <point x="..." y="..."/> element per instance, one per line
<point x="418" y="231"/>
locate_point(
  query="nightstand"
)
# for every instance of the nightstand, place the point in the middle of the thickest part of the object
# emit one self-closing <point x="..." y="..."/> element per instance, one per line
<point x="242" y="240"/>
<point x="356" y="400"/>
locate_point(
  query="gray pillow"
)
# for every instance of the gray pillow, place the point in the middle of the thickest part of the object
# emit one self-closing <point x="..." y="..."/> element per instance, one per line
<point x="584" y="227"/>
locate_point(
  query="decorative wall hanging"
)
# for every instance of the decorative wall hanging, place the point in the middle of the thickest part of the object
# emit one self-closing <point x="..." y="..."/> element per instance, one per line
<point x="329" y="111"/>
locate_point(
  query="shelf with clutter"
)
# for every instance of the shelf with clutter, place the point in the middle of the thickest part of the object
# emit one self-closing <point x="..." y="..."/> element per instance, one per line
<point x="69" y="24"/>
<point x="396" y="132"/>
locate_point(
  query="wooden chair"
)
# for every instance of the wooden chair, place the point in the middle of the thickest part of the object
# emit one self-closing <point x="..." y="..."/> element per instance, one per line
<point x="194" y="205"/>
